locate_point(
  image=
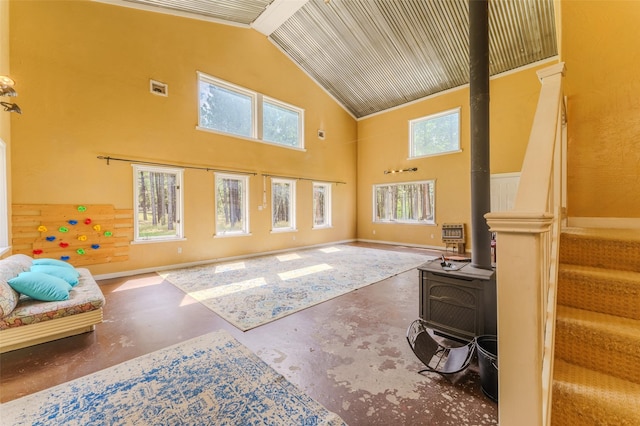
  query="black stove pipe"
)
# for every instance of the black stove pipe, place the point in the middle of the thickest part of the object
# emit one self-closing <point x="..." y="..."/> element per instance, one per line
<point x="479" y="116"/>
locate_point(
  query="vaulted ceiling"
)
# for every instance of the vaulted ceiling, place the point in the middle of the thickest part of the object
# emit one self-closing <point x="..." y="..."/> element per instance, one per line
<point x="372" y="55"/>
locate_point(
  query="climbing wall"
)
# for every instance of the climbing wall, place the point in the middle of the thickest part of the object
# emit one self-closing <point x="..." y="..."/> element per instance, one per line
<point x="79" y="234"/>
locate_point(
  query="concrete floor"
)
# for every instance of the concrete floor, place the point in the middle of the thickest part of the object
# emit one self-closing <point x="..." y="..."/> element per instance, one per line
<point x="350" y="353"/>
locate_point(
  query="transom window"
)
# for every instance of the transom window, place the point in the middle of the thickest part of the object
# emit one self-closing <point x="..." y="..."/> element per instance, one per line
<point x="283" y="204"/>
<point x="435" y="134"/>
<point x="410" y="202"/>
<point x="321" y="205"/>
<point x="158" y="203"/>
<point x="227" y="108"/>
<point x="232" y="204"/>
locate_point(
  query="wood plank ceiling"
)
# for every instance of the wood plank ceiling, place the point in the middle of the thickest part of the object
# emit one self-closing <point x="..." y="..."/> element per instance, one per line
<point x="372" y="55"/>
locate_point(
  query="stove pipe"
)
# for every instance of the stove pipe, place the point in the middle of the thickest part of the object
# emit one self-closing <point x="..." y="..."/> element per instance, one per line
<point x="479" y="117"/>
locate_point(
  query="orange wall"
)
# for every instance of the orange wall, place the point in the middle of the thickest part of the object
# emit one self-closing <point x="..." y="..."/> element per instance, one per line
<point x="600" y="42"/>
<point x="84" y="70"/>
<point x="383" y="144"/>
<point x="5" y="119"/>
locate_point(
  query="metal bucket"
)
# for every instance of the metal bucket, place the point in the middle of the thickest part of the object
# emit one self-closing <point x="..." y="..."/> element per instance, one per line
<point x="487" y="347"/>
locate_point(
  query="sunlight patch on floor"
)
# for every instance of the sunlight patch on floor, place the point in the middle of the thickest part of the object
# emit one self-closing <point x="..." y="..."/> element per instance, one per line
<point x="139" y="283"/>
<point x="295" y="273"/>
<point x="224" y="290"/>
<point x="288" y="257"/>
<point x="230" y="267"/>
<point x="330" y="249"/>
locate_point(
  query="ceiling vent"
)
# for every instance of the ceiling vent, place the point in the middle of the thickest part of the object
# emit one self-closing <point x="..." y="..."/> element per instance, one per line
<point x="158" y="88"/>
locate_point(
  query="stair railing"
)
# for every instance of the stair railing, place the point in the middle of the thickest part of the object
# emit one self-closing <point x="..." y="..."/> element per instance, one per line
<point x="527" y="265"/>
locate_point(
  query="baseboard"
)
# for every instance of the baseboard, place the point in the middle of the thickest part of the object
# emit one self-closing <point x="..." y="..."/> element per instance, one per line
<point x="208" y="261"/>
<point x="604" y="222"/>
<point x="396" y="243"/>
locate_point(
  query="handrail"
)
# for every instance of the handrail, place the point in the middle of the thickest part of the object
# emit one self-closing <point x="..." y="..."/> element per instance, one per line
<point x="527" y="265"/>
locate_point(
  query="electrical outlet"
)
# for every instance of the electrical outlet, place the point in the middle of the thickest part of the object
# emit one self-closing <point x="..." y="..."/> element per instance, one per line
<point x="179" y="250"/>
<point x="374" y="232"/>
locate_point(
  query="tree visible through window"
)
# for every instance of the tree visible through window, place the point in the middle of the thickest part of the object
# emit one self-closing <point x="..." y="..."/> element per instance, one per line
<point x="225" y="110"/>
<point x="232" y="204"/>
<point x="321" y="205"/>
<point x="158" y="203"/>
<point x="435" y="134"/>
<point x="283" y="204"/>
<point x="411" y="202"/>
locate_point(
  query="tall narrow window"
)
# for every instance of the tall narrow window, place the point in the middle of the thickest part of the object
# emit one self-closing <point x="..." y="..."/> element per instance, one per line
<point x="232" y="204"/>
<point x="435" y="134"/>
<point x="283" y="204"/>
<point x="158" y="203"/>
<point x="411" y="202"/>
<point x="321" y="205"/>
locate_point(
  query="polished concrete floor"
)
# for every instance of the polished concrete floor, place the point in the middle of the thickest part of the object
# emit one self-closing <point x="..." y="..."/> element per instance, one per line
<point x="349" y="353"/>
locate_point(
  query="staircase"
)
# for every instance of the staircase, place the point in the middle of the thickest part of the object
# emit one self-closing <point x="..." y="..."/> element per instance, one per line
<point x="596" y="377"/>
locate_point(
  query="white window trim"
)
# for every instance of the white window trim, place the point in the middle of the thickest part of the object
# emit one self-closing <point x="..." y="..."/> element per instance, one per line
<point x="432" y="117"/>
<point x="257" y="100"/>
<point x="328" y="207"/>
<point x="292" y="206"/>
<point x="403" y="222"/>
<point x="245" y="204"/>
<point x="180" y="201"/>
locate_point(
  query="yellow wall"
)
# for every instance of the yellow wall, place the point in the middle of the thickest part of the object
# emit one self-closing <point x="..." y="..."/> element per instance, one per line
<point x="5" y="118"/>
<point x="84" y="71"/>
<point x="600" y="48"/>
<point x="383" y="144"/>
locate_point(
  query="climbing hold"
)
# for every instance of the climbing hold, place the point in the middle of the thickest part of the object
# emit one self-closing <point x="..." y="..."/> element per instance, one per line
<point x="51" y="238"/>
<point x="42" y="228"/>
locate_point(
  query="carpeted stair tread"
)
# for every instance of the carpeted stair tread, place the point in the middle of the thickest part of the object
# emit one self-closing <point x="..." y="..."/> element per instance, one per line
<point x="604" y="248"/>
<point x="602" y="290"/>
<point x="597" y="341"/>
<point x="584" y="397"/>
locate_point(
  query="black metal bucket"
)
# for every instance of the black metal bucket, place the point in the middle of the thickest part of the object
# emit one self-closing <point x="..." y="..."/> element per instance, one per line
<point x="487" y="347"/>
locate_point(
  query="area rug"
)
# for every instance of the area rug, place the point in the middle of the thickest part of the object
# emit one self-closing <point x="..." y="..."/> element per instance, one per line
<point x="255" y="291"/>
<point x="209" y="380"/>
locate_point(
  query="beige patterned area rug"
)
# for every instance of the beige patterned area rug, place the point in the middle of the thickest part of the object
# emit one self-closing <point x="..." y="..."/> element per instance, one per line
<point x="209" y="380"/>
<point x="255" y="291"/>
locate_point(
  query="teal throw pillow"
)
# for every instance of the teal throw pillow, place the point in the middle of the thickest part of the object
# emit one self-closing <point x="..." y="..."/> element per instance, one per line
<point x="70" y="275"/>
<point x="40" y="286"/>
<point x="52" y="262"/>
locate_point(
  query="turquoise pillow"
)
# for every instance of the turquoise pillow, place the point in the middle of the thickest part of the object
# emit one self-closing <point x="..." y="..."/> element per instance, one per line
<point x="40" y="286"/>
<point x="52" y="262"/>
<point x="70" y="275"/>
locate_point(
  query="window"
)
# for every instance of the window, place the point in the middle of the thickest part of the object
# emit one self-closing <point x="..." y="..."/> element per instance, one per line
<point x="283" y="204"/>
<point x="232" y="204"/>
<point x="411" y="202"/>
<point x="321" y="205"/>
<point x="158" y="203"/>
<point x="227" y="108"/>
<point x="435" y="134"/>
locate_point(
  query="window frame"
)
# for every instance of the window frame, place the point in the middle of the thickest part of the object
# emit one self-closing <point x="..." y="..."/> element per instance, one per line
<point x="415" y="121"/>
<point x="291" y="205"/>
<point x="244" y="179"/>
<point x="257" y="111"/>
<point x="327" y="205"/>
<point x="432" y="193"/>
<point x="137" y="168"/>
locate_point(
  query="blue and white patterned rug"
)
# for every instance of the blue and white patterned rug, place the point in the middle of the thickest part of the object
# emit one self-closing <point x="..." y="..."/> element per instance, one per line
<point x="255" y="291"/>
<point x="209" y="380"/>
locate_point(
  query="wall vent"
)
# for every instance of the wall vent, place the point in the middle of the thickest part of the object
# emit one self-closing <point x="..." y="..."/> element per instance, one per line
<point x="158" y="88"/>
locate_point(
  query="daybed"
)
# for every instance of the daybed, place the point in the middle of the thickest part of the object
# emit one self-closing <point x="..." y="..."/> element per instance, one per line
<point x="25" y="321"/>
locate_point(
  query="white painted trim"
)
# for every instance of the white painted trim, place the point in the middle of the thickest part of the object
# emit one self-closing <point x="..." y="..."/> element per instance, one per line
<point x="276" y="14"/>
<point x="179" y="13"/>
<point x="605" y="222"/>
<point x="214" y="260"/>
